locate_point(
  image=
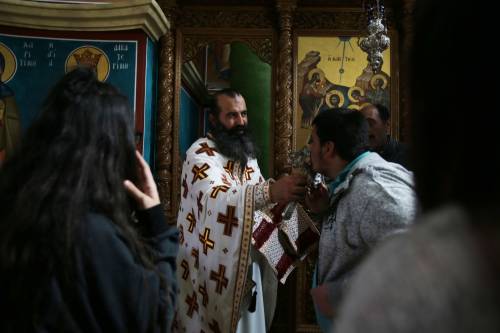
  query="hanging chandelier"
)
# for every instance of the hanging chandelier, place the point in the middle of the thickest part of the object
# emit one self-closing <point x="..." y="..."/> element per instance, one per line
<point x="377" y="40"/>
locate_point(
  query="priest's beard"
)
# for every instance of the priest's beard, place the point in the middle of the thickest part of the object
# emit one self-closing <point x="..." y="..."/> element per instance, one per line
<point x="235" y="143"/>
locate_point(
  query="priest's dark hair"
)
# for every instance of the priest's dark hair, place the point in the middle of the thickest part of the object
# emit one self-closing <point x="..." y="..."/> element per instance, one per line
<point x="214" y="104"/>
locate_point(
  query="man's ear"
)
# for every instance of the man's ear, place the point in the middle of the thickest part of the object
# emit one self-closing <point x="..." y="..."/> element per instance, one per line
<point x="211" y="119"/>
<point x="388" y="127"/>
<point x="328" y="148"/>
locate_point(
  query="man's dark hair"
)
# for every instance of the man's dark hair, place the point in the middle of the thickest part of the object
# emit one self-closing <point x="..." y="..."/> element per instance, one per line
<point x="72" y="161"/>
<point x="348" y="129"/>
<point x="214" y="105"/>
<point x="383" y="112"/>
<point x="445" y="137"/>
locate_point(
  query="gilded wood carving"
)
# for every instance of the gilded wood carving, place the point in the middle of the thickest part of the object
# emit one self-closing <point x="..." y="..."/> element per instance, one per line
<point x="226" y="18"/>
<point x="261" y="46"/>
<point x="164" y="137"/>
<point x="283" y="115"/>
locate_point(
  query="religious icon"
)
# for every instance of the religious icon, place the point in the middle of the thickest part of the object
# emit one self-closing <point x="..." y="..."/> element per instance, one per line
<point x="334" y="99"/>
<point x="89" y="56"/>
<point x="379" y="92"/>
<point x="9" y="114"/>
<point x="332" y="72"/>
<point x="218" y="69"/>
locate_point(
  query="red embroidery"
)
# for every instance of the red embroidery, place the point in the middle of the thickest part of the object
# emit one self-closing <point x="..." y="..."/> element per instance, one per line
<point x="203" y="292"/>
<point x="199" y="173"/>
<point x="192" y="222"/>
<point x="198" y="202"/>
<point x="206" y="241"/>
<point x="247" y="172"/>
<point x="206" y="149"/>
<point x="217" y="189"/>
<point x="219" y="278"/>
<point x="185" y="186"/>
<point x="185" y="266"/>
<point x="192" y="303"/>
<point x="230" y="168"/>
<point x="229" y="220"/>
<point x="196" y="254"/>
<point x="214" y="326"/>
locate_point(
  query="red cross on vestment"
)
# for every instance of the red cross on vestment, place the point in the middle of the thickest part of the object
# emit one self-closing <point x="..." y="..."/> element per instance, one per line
<point x="192" y="221"/>
<point x="229" y="220"/>
<point x="248" y="171"/>
<point x="229" y="168"/>
<point x="196" y="254"/>
<point x="205" y="148"/>
<point x="181" y="234"/>
<point x="185" y="186"/>
<point x="192" y="304"/>
<point x="185" y="266"/>
<point x="219" y="278"/>
<point x="198" y="202"/>
<point x="199" y="172"/>
<point x="217" y="189"/>
<point x="206" y="241"/>
<point x="214" y="326"/>
<point x="203" y="291"/>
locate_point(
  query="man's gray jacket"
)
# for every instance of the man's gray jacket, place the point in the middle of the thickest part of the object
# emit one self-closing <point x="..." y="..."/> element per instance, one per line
<point x="376" y="199"/>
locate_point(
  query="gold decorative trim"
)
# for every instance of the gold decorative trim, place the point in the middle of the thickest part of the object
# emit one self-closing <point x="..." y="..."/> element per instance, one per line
<point x="165" y="120"/>
<point x="261" y="46"/>
<point x="254" y="17"/>
<point x="283" y="115"/>
<point x="349" y="19"/>
<point x="116" y="15"/>
<point x="243" y="262"/>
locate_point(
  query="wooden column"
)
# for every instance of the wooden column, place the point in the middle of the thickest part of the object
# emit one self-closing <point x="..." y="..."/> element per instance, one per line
<point x="283" y="117"/>
<point x="165" y="116"/>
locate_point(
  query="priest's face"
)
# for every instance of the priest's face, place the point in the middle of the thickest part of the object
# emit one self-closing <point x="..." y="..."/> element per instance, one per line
<point x="232" y="111"/>
<point x="230" y="129"/>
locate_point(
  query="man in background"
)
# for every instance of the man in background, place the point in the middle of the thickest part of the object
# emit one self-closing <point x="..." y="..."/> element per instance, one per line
<point x="391" y="150"/>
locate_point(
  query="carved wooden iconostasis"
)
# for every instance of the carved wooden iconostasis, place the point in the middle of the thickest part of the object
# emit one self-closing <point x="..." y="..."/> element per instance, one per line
<point x="221" y="43"/>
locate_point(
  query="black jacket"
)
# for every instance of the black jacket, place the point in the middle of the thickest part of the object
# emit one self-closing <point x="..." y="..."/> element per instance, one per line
<point x="112" y="292"/>
<point x="396" y="152"/>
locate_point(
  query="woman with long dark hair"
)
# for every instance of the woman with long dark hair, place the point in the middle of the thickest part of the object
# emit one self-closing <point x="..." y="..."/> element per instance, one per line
<point x="83" y="249"/>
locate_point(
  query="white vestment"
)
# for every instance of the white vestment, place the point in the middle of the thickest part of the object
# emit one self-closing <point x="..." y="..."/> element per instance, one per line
<point x="216" y="223"/>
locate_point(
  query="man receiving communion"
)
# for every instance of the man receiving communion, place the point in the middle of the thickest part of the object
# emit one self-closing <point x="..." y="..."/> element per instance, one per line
<point x="225" y="284"/>
<point x="367" y="200"/>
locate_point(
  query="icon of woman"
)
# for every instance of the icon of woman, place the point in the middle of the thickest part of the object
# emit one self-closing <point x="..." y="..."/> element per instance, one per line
<point x="9" y="115"/>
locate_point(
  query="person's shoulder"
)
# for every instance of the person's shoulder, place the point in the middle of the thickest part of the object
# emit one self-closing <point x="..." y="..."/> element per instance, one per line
<point x="396" y="152"/>
<point x="203" y="147"/>
<point x="376" y="172"/>
<point x="384" y="185"/>
<point x="97" y="222"/>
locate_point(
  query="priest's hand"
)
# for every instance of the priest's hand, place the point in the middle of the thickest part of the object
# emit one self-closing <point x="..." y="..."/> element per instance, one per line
<point x="288" y="188"/>
<point x="145" y="193"/>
